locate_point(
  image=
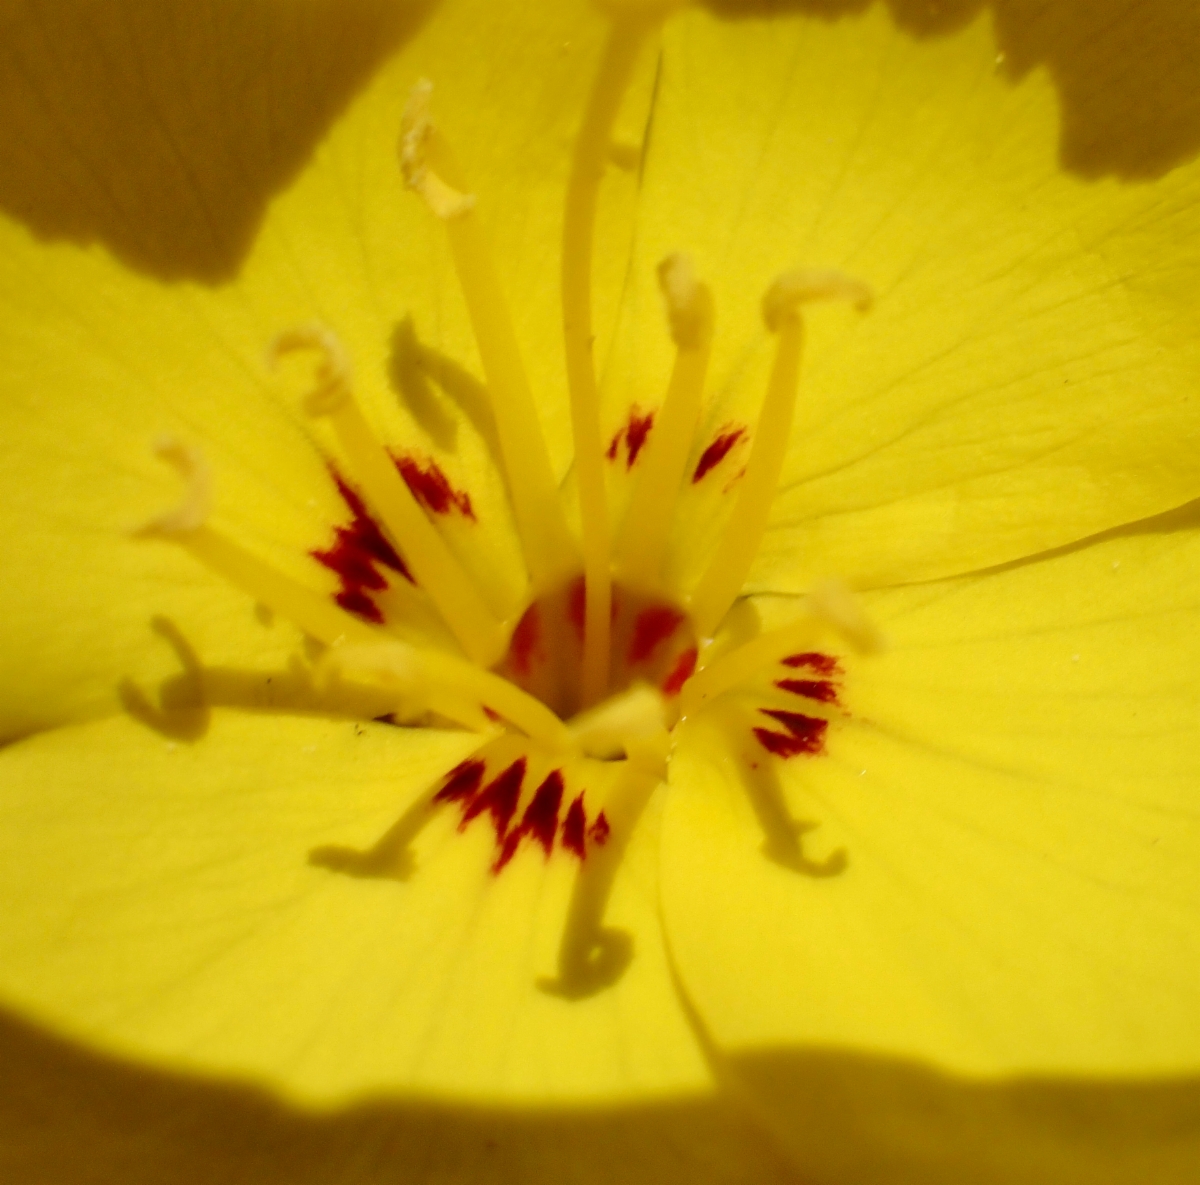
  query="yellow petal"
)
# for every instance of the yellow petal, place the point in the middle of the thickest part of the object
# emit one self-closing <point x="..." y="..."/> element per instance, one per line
<point x="997" y="979"/>
<point x="1027" y="374"/>
<point x="99" y="352"/>
<point x="167" y="902"/>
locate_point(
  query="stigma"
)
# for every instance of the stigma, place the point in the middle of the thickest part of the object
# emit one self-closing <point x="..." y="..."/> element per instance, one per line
<point x="582" y="682"/>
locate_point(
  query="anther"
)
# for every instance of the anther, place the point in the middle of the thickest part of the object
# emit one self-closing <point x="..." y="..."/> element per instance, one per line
<point x="690" y="314"/>
<point x="416" y="128"/>
<point x="332" y="388"/>
<point x="805" y="285"/>
<point x="193" y="510"/>
<point x="689" y="303"/>
<point x="729" y="567"/>
<point x="833" y="603"/>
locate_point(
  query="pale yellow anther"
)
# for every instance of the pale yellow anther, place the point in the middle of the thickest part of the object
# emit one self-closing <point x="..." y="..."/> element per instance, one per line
<point x="689" y="303"/>
<point x="642" y="541"/>
<point x="416" y="127"/>
<point x="834" y="604"/>
<point x="192" y="511"/>
<point x="805" y="285"/>
<point x="612" y="727"/>
<point x="332" y="386"/>
<point x="722" y="582"/>
<point x="456" y="688"/>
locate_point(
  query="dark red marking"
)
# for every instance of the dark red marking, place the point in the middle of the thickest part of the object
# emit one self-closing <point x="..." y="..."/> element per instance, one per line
<point x="461" y="782"/>
<point x="356" y="551"/>
<point x="823" y="664"/>
<point x="717" y="451"/>
<point x="819" y="689"/>
<point x="499" y="798"/>
<point x="540" y="821"/>
<point x="805" y="734"/>
<point x="577" y="606"/>
<point x="599" y="831"/>
<point x="575" y="827"/>
<point x="523" y="647"/>
<point x="492" y="714"/>
<point x="681" y="672"/>
<point x="652" y="627"/>
<point x="634" y="433"/>
<point x="431" y="487"/>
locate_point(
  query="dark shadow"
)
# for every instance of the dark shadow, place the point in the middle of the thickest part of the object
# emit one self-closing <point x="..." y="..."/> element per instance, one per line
<point x="886" y="1121"/>
<point x="1125" y="71"/>
<point x="783" y="834"/>
<point x="162" y="130"/>
<point x="592" y="957"/>
<point x="185" y="701"/>
<point x="415" y="369"/>
<point x="70" y="1115"/>
<point x="389" y="857"/>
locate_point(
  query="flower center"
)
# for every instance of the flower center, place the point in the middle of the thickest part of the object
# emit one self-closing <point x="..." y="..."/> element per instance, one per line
<point x="603" y="657"/>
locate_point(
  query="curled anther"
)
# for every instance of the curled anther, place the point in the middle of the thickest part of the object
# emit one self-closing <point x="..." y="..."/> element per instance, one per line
<point x="416" y="128"/>
<point x="332" y="387"/>
<point x="689" y="302"/>
<point x="624" y="722"/>
<point x="804" y="285"/>
<point x="832" y="602"/>
<point x="193" y="509"/>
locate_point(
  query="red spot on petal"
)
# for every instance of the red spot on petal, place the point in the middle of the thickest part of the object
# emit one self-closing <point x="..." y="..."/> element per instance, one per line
<point x="461" y="782"/>
<point x="577" y="606"/>
<point x="523" y="647"/>
<point x="599" y="831"/>
<point x="354" y="600"/>
<point x="823" y="664"/>
<point x="499" y="798"/>
<point x="431" y="487"/>
<point x="717" y="451"/>
<point x="575" y="827"/>
<point x="359" y="549"/>
<point x="805" y="734"/>
<point x="634" y="433"/>
<point x="819" y="689"/>
<point x="651" y="628"/>
<point x="680" y="673"/>
<point x="540" y="821"/>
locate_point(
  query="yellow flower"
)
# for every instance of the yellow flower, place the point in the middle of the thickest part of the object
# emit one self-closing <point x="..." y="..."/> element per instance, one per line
<point x="929" y="915"/>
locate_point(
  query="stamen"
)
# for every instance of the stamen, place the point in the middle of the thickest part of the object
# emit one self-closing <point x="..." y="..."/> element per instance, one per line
<point x="549" y="549"/>
<point x="416" y="127"/>
<point x="312" y="612"/>
<point x="690" y="314"/>
<point x="424" y="550"/>
<point x="587" y="169"/>
<point x="453" y="682"/>
<point x="829" y="603"/>
<point x="608" y="730"/>
<point x="835" y="604"/>
<point x="729" y="567"/>
<point x="193" y="510"/>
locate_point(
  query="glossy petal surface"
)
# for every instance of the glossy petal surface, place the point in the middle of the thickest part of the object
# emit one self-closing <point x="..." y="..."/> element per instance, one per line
<point x="1028" y="374"/>
<point x="167" y="902"/>
<point x="1014" y="790"/>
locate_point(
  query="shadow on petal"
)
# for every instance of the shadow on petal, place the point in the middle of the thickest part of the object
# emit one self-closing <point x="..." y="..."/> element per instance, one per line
<point x="884" y="1121"/>
<point x="1124" y="70"/>
<point x="163" y="130"/>
<point x="70" y="1114"/>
